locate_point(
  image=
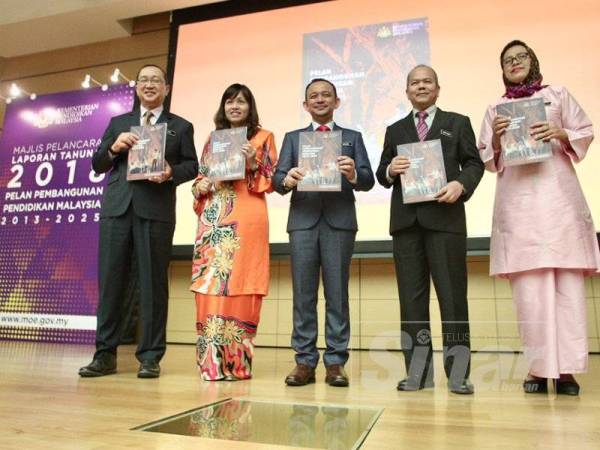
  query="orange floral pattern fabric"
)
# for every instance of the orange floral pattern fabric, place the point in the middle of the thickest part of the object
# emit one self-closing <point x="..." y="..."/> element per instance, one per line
<point x="231" y="251"/>
<point x="230" y="267"/>
<point x="226" y="328"/>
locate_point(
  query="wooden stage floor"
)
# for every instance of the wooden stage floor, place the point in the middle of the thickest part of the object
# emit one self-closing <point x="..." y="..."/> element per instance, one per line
<point x="44" y="404"/>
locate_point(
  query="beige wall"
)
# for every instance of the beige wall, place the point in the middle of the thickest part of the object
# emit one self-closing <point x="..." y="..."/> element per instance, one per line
<point x="374" y="309"/>
<point x="64" y="70"/>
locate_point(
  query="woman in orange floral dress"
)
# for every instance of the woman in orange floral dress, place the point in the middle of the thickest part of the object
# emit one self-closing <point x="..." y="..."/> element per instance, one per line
<point x="230" y="272"/>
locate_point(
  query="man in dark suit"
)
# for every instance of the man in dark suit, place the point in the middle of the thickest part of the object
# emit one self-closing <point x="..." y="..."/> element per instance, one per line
<point x="138" y="217"/>
<point x="322" y="227"/>
<point x="430" y="238"/>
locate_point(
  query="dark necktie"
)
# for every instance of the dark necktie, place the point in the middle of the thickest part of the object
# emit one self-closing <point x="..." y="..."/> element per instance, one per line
<point x="422" y="128"/>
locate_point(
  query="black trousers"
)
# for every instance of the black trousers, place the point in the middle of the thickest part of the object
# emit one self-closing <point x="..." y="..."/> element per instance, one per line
<point x="151" y="241"/>
<point x="418" y="255"/>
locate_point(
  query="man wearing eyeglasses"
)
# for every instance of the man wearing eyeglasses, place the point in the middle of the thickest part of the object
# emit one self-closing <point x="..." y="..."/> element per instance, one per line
<point x="138" y="217"/>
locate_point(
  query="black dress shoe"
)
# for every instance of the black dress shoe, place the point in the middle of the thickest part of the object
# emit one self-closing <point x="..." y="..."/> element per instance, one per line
<point x="411" y="384"/>
<point x="465" y="387"/>
<point x="233" y="378"/>
<point x="567" y="387"/>
<point x="100" y="366"/>
<point x="149" y="369"/>
<point x="535" y="386"/>
<point x="301" y="375"/>
<point x="336" y="376"/>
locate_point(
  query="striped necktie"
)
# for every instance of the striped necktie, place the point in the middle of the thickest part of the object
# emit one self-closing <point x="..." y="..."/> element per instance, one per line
<point x="148" y="118"/>
<point x="422" y="127"/>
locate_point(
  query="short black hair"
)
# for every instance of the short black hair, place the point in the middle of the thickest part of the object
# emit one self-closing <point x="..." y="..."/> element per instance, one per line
<point x="164" y="73"/>
<point x="316" y="80"/>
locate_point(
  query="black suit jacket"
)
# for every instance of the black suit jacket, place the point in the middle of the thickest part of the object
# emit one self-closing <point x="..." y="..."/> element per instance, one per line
<point x="150" y="200"/>
<point x="338" y="207"/>
<point x="462" y="162"/>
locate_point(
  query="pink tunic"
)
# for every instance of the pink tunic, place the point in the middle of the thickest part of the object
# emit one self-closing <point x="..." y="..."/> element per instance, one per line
<point x="541" y="218"/>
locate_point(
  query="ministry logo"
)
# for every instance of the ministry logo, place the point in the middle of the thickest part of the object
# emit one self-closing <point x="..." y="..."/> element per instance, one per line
<point x="59" y="116"/>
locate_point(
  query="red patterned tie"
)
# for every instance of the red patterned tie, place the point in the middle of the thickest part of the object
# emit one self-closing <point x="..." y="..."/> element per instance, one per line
<point x="323" y="128"/>
<point x="422" y="128"/>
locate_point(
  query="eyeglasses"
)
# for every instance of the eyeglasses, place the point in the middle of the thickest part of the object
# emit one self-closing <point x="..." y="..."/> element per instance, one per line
<point x="518" y="58"/>
<point x="150" y="81"/>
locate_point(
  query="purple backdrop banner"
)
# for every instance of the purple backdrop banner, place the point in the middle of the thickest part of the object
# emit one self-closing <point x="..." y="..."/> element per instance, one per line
<point x="50" y="208"/>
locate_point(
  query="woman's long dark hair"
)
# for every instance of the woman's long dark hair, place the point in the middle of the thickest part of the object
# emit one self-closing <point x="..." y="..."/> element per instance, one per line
<point x="534" y="69"/>
<point x="252" y="121"/>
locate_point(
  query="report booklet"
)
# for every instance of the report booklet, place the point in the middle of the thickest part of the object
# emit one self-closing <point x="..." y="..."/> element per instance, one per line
<point x="147" y="157"/>
<point x="225" y="160"/>
<point x="518" y="146"/>
<point x="426" y="174"/>
<point x="318" y="155"/>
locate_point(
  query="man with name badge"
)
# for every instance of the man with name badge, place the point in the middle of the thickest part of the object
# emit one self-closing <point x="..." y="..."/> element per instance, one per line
<point x="138" y="217"/>
<point x="430" y="238"/>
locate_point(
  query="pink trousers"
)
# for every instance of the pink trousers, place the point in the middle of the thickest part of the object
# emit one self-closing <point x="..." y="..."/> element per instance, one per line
<point x="551" y="310"/>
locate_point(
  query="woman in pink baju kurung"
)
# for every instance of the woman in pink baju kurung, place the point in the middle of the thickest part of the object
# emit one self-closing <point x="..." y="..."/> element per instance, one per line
<point x="543" y="238"/>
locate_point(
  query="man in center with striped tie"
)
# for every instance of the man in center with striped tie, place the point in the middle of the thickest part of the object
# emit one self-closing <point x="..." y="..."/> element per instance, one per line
<point x="430" y="238"/>
<point x="322" y="227"/>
